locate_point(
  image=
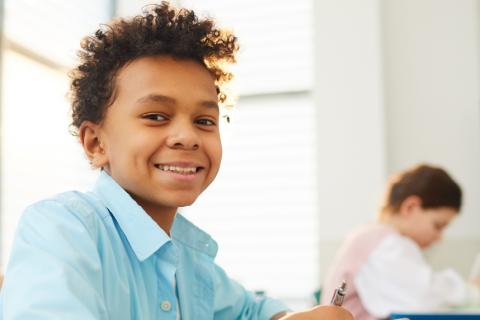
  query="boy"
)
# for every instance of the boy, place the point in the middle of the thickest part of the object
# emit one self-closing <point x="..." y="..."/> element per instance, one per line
<point x="383" y="262"/>
<point x="145" y="108"/>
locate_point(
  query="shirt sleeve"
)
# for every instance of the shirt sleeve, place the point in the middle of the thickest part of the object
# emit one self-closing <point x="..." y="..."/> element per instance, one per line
<point x="54" y="271"/>
<point x="396" y="277"/>
<point x="232" y="301"/>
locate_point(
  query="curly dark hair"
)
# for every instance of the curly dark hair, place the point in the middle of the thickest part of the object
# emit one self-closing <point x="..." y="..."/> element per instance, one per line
<point x="433" y="185"/>
<point x="160" y="30"/>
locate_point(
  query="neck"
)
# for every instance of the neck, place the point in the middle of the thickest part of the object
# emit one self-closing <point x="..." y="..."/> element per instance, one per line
<point x="164" y="219"/>
<point x="163" y="216"/>
<point x="393" y="220"/>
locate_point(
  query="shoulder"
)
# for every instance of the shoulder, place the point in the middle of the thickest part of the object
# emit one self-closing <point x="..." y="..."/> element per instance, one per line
<point x="358" y="246"/>
<point x="365" y="238"/>
<point x="370" y="231"/>
<point x="395" y="244"/>
<point x="64" y="209"/>
<point x="397" y="254"/>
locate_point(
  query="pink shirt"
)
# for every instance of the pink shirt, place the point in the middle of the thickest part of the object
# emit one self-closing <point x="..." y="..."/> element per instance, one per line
<point x="352" y="255"/>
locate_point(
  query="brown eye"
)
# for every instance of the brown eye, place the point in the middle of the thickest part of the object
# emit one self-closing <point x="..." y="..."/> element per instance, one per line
<point x="155" y="117"/>
<point x="205" y="122"/>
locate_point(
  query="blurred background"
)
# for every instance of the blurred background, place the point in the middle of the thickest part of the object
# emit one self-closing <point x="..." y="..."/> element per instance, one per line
<point x="334" y="95"/>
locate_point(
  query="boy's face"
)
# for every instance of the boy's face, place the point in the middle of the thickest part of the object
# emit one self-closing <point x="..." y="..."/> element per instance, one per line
<point x="160" y="138"/>
<point x="425" y="226"/>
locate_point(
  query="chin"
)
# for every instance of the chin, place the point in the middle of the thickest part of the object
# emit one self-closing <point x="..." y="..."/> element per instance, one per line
<point x="425" y="246"/>
<point x="184" y="204"/>
<point x="184" y="201"/>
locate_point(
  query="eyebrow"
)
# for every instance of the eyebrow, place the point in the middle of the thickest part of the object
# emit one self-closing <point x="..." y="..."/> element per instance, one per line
<point x="172" y="101"/>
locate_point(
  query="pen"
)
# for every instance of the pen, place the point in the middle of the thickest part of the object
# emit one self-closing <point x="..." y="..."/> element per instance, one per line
<point x="339" y="294"/>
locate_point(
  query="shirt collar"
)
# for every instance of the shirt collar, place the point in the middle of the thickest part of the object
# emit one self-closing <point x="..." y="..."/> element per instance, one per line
<point x="142" y="232"/>
<point x="191" y="236"/>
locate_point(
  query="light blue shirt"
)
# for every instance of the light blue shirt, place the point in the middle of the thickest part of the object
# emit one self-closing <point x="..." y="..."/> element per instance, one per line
<point x="99" y="255"/>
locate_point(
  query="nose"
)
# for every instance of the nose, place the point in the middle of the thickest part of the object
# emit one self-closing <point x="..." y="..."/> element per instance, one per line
<point x="183" y="135"/>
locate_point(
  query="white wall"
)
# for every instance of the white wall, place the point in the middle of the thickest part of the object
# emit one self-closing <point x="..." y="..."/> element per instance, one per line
<point x="431" y="83"/>
<point x="350" y="118"/>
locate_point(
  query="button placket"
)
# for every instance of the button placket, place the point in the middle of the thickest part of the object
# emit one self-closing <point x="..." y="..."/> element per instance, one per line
<point x="166" y="263"/>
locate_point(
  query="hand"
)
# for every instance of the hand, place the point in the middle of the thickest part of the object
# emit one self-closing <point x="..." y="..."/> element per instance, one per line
<point x="320" y="313"/>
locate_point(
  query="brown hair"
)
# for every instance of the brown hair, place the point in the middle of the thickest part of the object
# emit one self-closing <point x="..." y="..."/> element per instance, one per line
<point x="432" y="185"/>
<point x="160" y="30"/>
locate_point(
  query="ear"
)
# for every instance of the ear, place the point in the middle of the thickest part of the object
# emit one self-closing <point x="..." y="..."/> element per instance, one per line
<point x="410" y="204"/>
<point x="89" y="134"/>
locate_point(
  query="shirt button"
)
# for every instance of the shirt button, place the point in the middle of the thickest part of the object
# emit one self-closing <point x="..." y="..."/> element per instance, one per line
<point x="166" y="305"/>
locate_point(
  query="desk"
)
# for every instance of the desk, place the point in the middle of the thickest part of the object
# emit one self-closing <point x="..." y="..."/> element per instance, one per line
<point x="456" y="315"/>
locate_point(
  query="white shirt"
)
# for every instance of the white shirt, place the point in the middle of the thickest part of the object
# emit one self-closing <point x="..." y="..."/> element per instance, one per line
<point x="396" y="277"/>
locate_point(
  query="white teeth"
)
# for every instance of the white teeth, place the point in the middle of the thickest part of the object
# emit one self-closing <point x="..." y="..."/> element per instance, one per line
<point x="178" y="169"/>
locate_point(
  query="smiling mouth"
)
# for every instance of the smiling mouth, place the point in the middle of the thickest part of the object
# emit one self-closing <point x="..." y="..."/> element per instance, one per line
<point x="179" y="170"/>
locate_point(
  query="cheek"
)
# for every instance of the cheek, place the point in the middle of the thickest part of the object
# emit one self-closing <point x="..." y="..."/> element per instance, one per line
<point x="215" y="151"/>
<point x="215" y="158"/>
<point x="423" y="234"/>
<point x="131" y="149"/>
<point x="429" y="235"/>
<point x="219" y="153"/>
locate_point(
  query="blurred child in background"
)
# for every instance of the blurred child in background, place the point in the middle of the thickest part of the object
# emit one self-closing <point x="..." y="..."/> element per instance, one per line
<point x="383" y="262"/>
